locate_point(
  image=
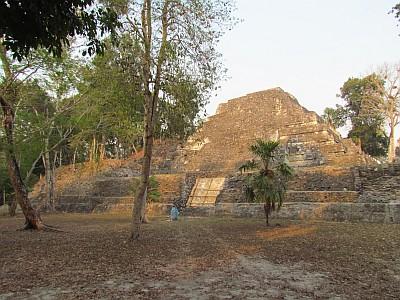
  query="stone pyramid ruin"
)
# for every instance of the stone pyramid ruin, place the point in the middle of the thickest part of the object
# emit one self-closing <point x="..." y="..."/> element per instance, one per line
<point x="334" y="179"/>
<point x="222" y="144"/>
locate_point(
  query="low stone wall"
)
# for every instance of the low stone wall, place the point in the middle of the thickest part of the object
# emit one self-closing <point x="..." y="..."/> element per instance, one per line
<point x="321" y="196"/>
<point x="110" y="205"/>
<point x="322" y="178"/>
<point x="327" y="211"/>
<point x="319" y="184"/>
<point x="353" y="212"/>
<point x="364" y="194"/>
<point x="379" y="184"/>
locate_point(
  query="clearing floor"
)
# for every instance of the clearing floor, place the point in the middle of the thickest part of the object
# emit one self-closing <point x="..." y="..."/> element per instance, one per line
<point x="198" y="258"/>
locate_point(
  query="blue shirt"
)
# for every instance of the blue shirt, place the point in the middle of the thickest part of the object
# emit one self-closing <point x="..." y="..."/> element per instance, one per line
<point x="174" y="213"/>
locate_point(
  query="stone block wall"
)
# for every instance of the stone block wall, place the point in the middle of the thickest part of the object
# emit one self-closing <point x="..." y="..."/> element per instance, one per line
<point x="323" y="179"/>
<point x="338" y="212"/>
<point x="114" y="193"/>
<point x="379" y="184"/>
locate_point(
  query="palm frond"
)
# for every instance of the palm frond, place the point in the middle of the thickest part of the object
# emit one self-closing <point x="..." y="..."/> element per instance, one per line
<point x="270" y="183"/>
<point x="249" y="165"/>
<point x="285" y="170"/>
<point x="264" y="150"/>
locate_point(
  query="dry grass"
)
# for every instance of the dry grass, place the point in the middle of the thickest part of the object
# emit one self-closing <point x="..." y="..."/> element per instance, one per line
<point x="201" y="258"/>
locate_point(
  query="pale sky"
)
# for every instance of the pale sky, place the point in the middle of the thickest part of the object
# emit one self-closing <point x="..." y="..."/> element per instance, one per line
<point x="307" y="47"/>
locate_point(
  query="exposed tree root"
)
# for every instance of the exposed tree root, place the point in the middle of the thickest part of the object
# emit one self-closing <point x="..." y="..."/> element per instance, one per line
<point x="42" y="227"/>
<point x="52" y="229"/>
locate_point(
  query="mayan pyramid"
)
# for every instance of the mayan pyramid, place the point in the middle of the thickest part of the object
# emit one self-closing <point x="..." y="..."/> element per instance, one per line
<point x="222" y="144"/>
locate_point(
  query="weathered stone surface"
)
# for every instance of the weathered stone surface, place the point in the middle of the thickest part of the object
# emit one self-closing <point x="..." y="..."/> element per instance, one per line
<point x="113" y="193"/>
<point x="379" y="183"/>
<point x="116" y="205"/>
<point x="341" y="212"/>
<point x="332" y="181"/>
<point x="223" y="142"/>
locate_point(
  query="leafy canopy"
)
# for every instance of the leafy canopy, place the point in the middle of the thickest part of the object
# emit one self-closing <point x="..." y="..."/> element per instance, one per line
<point x="336" y="117"/>
<point x="362" y="96"/>
<point x="27" y="25"/>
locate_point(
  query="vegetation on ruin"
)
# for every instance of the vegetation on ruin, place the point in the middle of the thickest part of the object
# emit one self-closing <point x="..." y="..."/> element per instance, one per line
<point x="149" y="77"/>
<point x="269" y="183"/>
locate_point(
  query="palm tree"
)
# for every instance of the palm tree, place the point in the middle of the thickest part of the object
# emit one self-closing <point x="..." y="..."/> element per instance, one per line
<point x="269" y="184"/>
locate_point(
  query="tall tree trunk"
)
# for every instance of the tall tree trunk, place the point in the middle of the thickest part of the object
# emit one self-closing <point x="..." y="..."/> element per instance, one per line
<point x="52" y="182"/>
<point x="32" y="218"/>
<point x="49" y="175"/>
<point x="12" y="206"/>
<point x="143" y="212"/>
<point x="267" y="212"/>
<point x="74" y="159"/>
<point x="102" y="148"/>
<point x="141" y="195"/>
<point x="92" y="154"/>
<point x="392" y="145"/>
<point x="61" y="158"/>
<point x="151" y="104"/>
<point x="116" y="148"/>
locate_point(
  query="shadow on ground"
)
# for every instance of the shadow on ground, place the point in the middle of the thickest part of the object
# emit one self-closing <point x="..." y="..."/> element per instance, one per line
<point x="199" y="258"/>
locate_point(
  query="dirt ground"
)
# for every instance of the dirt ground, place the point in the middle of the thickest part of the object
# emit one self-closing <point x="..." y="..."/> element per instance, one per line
<point x="198" y="258"/>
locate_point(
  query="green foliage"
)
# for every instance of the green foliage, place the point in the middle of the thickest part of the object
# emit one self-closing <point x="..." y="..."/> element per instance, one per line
<point x="362" y="96"/>
<point x="5" y="183"/>
<point x="337" y="117"/>
<point x="248" y="166"/>
<point x="269" y="183"/>
<point x="110" y="104"/>
<point x="153" y="193"/>
<point x="265" y="150"/>
<point x="73" y="108"/>
<point x="180" y="107"/>
<point x="28" y="25"/>
<point x="373" y="139"/>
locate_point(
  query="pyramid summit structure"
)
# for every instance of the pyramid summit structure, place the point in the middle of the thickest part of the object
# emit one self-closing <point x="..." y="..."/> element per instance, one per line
<point x="222" y="144"/>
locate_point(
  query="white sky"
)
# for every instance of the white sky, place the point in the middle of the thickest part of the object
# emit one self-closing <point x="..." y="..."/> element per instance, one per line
<point x="307" y="47"/>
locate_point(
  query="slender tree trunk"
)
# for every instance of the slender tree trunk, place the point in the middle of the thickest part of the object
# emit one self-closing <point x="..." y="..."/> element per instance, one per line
<point x="47" y="172"/>
<point x="32" y="218"/>
<point x="60" y="160"/>
<point x="103" y="148"/>
<point x="140" y="199"/>
<point x="12" y="206"/>
<point x="53" y="183"/>
<point x="30" y="172"/>
<point x="74" y="159"/>
<point x="134" y="148"/>
<point x="392" y="145"/>
<point x="266" y="211"/>
<point x="145" y="220"/>
<point x="49" y="175"/>
<point x="151" y="97"/>
<point x="116" y="148"/>
<point x="92" y="154"/>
